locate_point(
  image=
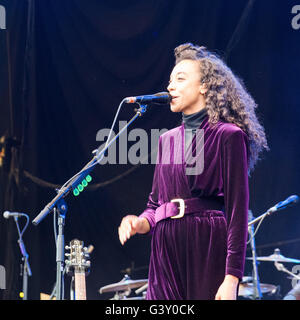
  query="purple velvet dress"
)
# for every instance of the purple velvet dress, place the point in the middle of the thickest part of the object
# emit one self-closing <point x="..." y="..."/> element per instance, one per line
<point x="190" y="256"/>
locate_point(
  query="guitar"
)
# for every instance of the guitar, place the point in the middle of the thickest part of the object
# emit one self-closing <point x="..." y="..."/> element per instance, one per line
<point x="78" y="266"/>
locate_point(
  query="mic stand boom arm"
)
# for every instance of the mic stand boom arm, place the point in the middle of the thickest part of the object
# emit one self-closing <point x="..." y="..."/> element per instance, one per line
<point x="83" y="173"/>
<point x="261" y="217"/>
<point x="279" y="206"/>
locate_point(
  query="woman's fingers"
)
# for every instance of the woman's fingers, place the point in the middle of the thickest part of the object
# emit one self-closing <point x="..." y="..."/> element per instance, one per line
<point x="123" y="235"/>
<point x="126" y="229"/>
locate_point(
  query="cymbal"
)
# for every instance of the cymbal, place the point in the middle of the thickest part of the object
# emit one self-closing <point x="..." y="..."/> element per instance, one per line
<point x="248" y="289"/>
<point x="275" y="257"/>
<point x="125" y="284"/>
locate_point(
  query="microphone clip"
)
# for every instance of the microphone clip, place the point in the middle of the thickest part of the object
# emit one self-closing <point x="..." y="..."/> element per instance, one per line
<point x="142" y="109"/>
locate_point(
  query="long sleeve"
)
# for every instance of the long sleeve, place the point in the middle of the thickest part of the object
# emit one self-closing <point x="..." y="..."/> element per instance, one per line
<point x="149" y="212"/>
<point x="236" y="197"/>
<point x="153" y="204"/>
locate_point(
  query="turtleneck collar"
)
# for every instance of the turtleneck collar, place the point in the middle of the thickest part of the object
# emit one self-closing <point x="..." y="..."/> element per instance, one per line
<point x="194" y="120"/>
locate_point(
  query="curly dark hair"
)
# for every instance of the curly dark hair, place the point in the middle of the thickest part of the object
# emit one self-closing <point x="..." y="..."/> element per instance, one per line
<point x="226" y="99"/>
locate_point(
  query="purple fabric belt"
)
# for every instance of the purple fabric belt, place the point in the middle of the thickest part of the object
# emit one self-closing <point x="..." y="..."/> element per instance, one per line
<point x="177" y="208"/>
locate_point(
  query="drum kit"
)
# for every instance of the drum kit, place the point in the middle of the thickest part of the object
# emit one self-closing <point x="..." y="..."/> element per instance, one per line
<point x="247" y="288"/>
<point x="123" y="289"/>
<point x="250" y="287"/>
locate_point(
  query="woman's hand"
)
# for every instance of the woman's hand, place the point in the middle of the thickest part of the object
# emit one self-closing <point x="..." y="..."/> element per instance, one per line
<point x="130" y="225"/>
<point x="228" y="288"/>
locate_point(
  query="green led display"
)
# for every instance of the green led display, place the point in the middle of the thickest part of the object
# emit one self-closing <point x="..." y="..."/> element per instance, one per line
<point x="82" y="185"/>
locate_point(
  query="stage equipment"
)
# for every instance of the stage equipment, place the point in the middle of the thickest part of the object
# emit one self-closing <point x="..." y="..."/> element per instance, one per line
<point x="158" y="98"/>
<point x="26" y="270"/>
<point x="125" y="284"/>
<point x="256" y="288"/>
<point x="123" y="288"/>
<point x="281" y="267"/>
<point x="275" y="257"/>
<point x="248" y="290"/>
<point x="142" y="289"/>
<point x="294" y="294"/>
<point x="78" y="266"/>
<point x="58" y="203"/>
<point x="279" y="206"/>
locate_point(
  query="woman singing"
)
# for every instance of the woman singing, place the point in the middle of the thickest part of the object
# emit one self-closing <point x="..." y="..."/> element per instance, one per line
<point x="197" y="211"/>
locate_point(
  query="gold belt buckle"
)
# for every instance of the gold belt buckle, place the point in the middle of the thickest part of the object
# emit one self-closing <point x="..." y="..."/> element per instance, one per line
<point x="181" y="208"/>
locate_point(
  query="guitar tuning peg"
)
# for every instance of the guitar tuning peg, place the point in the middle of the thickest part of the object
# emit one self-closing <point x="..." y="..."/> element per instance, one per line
<point x="88" y="249"/>
<point x="67" y="247"/>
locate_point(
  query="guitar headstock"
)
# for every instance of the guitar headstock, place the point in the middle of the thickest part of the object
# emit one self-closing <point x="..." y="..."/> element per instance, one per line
<point x="77" y="260"/>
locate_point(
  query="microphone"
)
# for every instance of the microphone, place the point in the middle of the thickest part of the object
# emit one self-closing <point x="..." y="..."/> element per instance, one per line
<point x="285" y="203"/>
<point x="159" y="98"/>
<point x="279" y="206"/>
<point x="8" y="214"/>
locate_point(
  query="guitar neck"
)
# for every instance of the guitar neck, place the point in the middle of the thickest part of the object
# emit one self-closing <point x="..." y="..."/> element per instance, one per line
<point x="80" y="288"/>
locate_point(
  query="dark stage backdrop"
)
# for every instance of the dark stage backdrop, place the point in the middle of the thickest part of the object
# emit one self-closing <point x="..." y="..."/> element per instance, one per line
<point x="64" y="68"/>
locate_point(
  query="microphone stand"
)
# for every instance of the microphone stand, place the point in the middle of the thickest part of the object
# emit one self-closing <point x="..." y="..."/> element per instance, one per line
<point x="60" y="245"/>
<point x="281" y="267"/>
<point x="60" y="205"/>
<point x="261" y="217"/>
<point x="26" y="270"/>
<point x="256" y="282"/>
<point x="279" y="206"/>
